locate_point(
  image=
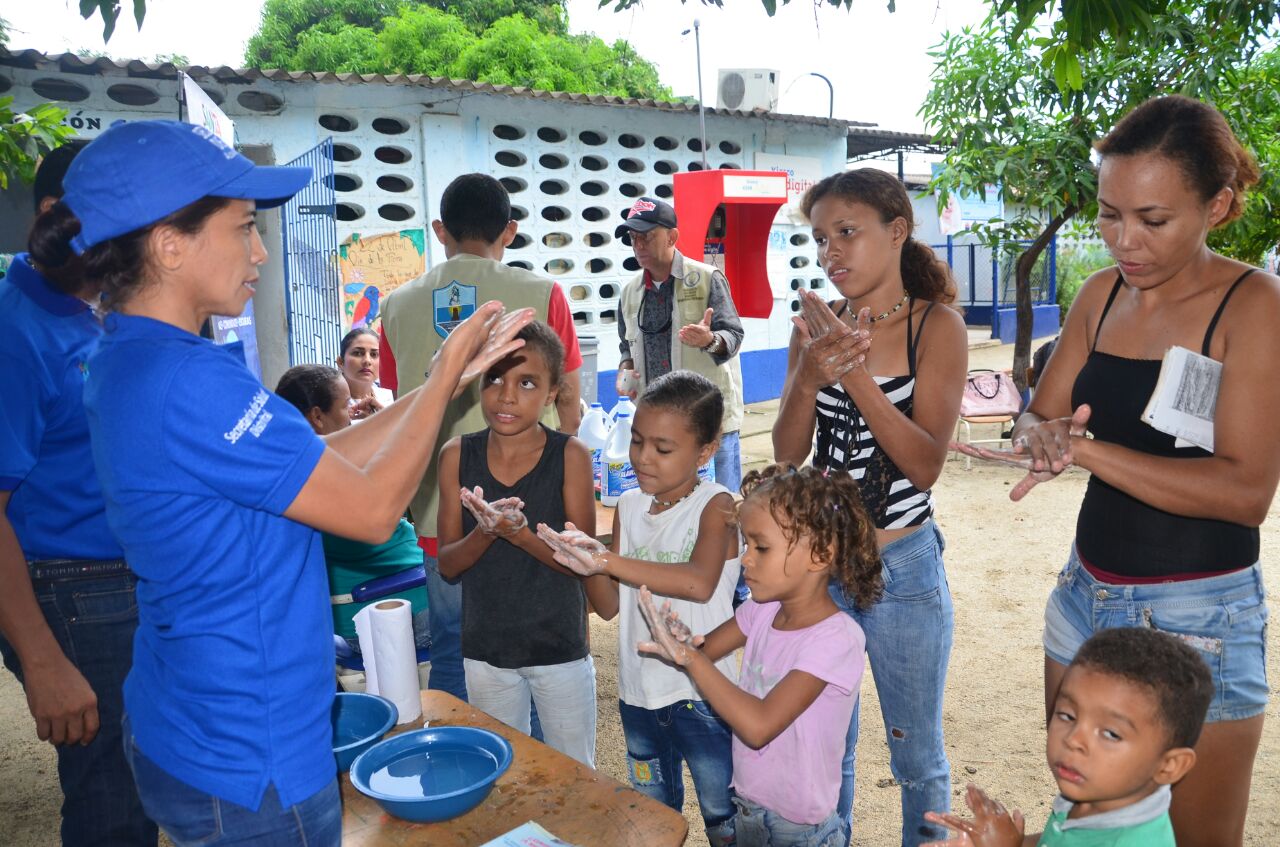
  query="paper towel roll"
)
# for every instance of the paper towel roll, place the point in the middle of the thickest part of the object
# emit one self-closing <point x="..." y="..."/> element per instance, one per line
<point x="385" y="631"/>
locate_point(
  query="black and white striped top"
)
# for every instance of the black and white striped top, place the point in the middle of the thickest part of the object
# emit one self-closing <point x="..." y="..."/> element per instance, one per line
<point x="845" y="442"/>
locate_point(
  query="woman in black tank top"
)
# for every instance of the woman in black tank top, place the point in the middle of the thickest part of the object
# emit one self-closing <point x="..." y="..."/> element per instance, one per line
<point x="879" y="378"/>
<point x="1168" y="533"/>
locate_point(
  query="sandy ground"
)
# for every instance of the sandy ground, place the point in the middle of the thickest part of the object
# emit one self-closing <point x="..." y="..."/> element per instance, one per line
<point x="1001" y="560"/>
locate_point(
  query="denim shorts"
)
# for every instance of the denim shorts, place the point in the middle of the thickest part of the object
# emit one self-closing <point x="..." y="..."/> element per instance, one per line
<point x="1223" y="617"/>
<point x="756" y="826"/>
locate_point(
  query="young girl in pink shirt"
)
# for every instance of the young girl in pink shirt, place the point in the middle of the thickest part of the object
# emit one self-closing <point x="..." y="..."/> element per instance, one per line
<point x="802" y="663"/>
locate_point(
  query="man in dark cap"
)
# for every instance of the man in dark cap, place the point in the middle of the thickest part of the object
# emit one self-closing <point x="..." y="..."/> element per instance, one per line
<point x="677" y="314"/>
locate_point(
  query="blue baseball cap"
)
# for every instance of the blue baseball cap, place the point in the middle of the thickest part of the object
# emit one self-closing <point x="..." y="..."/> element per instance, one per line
<point x="140" y="172"/>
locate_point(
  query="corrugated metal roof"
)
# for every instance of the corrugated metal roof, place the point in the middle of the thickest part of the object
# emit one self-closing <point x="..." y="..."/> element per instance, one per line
<point x="74" y="64"/>
<point x="863" y="141"/>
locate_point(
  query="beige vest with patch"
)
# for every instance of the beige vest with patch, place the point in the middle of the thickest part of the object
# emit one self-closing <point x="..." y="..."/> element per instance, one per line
<point x="408" y="321"/>
<point x="691" y="294"/>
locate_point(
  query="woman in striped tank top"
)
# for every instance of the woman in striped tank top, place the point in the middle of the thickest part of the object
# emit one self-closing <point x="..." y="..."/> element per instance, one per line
<point x="878" y="375"/>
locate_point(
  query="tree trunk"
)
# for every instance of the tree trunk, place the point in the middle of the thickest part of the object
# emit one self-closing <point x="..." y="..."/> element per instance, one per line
<point x="1022" y="299"/>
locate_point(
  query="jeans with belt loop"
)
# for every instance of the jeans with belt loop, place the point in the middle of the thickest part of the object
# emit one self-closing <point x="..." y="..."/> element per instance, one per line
<point x="909" y="635"/>
<point x="90" y="609"/>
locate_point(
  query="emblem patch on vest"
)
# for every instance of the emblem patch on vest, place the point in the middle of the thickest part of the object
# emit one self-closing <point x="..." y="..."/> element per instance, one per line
<point x="452" y="305"/>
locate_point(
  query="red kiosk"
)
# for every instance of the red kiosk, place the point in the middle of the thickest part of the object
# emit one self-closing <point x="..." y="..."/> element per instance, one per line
<point x="725" y="217"/>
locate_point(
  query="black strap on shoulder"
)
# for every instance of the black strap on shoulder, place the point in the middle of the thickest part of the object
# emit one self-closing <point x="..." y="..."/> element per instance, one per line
<point x="913" y="343"/>
<point x="1213" y="324"/>
<point x="1115" y="289"/>
<point x="843" y="306"/>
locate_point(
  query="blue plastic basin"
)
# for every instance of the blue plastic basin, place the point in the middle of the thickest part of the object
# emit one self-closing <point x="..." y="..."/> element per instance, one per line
<point x="359" y="722"/>
<point x="432" y="774"/>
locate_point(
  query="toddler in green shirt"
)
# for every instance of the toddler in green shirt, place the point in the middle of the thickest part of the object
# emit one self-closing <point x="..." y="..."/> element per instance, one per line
<point x="1121" y="733"/>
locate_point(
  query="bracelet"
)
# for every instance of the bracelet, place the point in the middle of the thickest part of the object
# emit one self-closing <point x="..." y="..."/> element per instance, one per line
<point x="715" y="342"/>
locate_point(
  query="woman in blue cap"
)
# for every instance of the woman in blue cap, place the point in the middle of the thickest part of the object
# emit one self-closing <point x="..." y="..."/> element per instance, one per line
<point x="215" y="487"/>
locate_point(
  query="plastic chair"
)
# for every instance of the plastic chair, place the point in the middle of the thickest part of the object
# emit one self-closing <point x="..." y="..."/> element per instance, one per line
<point x="966" y="423"/>
<point x="368" y="591"/>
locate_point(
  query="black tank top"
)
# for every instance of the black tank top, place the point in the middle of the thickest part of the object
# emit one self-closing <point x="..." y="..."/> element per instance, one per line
<point x="1118" y="532"/>
<point x="516" y="611"/>
<point x="845" y="442"/>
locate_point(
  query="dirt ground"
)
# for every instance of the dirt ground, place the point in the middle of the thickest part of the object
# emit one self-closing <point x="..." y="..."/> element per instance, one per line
<point x="1001" y="562"/>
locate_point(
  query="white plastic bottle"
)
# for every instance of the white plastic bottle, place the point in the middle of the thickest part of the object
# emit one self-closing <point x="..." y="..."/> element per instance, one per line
<point x="624" y="404"/>
<point x="594" y="432"/>
<point x="707" y="473"/>
<point x="616" y="473"/>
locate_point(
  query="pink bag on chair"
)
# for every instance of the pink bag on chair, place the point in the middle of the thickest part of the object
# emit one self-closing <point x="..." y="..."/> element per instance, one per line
<point x="989" y="394"/>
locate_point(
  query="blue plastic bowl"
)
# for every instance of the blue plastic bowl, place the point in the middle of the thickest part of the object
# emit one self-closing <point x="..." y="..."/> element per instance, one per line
<point x="359" y="722"/>
<point x="432" y="774"/>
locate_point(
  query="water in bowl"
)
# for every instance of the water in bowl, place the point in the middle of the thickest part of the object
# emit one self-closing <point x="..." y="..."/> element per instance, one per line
<point x="419" y="774"/>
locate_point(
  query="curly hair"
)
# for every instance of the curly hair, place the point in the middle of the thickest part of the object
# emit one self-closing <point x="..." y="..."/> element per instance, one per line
<point x="1164" y="665"/>
<point x="826" y="510"/>
<point x="924" y="275"/>
<point x="309" y="387"/>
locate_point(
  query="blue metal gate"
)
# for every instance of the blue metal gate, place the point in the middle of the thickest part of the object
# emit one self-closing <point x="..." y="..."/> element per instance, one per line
<point x="311" y="279"/>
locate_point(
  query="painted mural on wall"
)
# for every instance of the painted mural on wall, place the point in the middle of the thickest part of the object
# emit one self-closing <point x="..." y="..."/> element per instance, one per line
<point x="372" y="266"/>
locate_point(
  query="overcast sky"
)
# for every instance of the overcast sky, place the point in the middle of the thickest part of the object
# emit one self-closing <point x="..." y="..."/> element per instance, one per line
<point x="876" y="60"/>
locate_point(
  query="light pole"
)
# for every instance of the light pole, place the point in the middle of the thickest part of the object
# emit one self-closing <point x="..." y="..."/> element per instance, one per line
<point x="831" y="94"/>
<point x="702" y="117"/>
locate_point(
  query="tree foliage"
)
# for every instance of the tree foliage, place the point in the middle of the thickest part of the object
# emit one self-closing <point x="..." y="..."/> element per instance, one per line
<point x="1025" y="118"/>
<point x="26" y="136"/>
<point x="504" y="42"/>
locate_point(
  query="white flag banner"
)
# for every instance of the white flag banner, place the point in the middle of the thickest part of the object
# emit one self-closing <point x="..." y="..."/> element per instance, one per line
<point x="200" y="109"/>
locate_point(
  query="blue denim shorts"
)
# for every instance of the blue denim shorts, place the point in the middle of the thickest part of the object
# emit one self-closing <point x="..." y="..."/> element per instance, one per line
<point x="1223" y="617"/>
<point x="756" y="826"/>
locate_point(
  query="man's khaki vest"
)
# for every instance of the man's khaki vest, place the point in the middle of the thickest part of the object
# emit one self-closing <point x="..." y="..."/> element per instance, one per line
<point x="409" y="321"/>
<point x="692" y="290"/>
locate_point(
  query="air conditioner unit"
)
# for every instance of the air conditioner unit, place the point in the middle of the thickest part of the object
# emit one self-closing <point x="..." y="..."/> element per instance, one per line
<point x="747" y="89"/>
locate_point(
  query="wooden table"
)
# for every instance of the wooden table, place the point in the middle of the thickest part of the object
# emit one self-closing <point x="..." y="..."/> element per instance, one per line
<point x="604" y="523"/>
<point x="574" y="802"/>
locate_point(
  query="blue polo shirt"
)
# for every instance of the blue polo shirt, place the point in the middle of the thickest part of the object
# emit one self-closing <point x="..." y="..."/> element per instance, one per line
<point x="232" y="678"/>
<point x="56" y="506"/>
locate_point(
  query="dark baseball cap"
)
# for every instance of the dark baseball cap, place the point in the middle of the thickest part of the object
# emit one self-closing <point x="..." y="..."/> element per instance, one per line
<point x="645" y="214"/>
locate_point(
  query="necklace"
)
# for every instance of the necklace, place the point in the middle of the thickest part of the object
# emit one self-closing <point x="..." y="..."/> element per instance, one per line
<point x="667" y="504"/>
<point x="889" y="312"/>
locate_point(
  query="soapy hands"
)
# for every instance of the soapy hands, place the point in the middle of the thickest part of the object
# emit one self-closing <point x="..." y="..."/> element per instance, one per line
<point x="674" y="641"/>
<point x="574" y="549"/>
<point x="500" y="518"/>
<point x="992" y="824"/>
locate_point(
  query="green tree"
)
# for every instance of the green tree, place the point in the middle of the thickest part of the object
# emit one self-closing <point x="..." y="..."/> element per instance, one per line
<point x="1022" y="116"/>
<point x="467" y="42"/>
<point x="26" y="136"/>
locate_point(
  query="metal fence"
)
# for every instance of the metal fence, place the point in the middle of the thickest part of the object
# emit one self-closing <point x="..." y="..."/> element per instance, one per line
<point x="987" y="278"/>
<point x="312" y="280"/>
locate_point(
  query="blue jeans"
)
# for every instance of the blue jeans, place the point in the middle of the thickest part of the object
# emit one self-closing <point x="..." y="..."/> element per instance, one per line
<point x="908" y="644"/>
<point x="189" y="816"/>
<point x="659" y="741"/>
<point x="729" y="462"/>
<point x="1224" y="618"/>
<point x="444" y="611"/>
<point x="756" y="826"/>
<point x="93" y="620"/>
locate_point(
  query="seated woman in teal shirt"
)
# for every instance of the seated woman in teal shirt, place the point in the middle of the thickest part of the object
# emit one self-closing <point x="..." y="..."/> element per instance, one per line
<point x="322" y="395"/>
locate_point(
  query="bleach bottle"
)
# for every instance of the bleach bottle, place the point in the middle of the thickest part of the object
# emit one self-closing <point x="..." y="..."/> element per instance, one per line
<point x="616" y="473"/>
<point x="624" y="404"/>
<point x="594" y="432"/>
<point x="707" y="473"/>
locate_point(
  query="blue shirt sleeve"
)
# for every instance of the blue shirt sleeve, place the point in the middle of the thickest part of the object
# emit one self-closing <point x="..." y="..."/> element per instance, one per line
<point x="22" y="421"/>
<point x="221" y="426"/>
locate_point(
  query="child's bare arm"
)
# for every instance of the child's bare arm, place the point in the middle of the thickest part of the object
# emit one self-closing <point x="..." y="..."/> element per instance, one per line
<point x="695" y="579"/>
<point x="756" y="721"/>
<point x="722" y="640"/>
<point x="457" y="552"/>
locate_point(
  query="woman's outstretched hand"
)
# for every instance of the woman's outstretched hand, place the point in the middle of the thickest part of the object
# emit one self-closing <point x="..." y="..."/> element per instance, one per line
<point x="482" y="340"/>
<point x="574" y="549"/>
<point x="992" y="825"/>
<point x="501" y="518"/>
<point x="674" y="641"/>
<point x="1043" y="450"/>
<point x="829" y="350"/>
